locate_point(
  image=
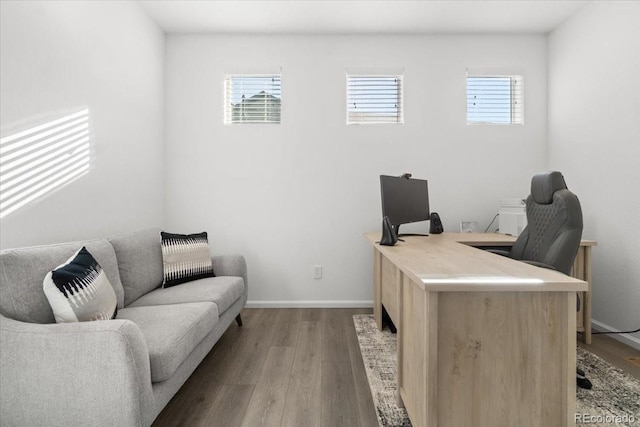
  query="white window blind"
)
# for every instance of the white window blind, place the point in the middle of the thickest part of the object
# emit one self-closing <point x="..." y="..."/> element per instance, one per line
<point x="374" y="99"/>
<point x="495" y="100"/>
<point x="252" y="98"/>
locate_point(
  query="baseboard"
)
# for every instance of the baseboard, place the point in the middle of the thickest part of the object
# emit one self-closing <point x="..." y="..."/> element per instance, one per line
<point x="625" y="338"/>
<point x="309" y="304"/>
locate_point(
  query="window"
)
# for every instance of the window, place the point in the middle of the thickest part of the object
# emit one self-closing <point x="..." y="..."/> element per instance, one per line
<point x="252" y="98"/>
<point x="495" y="100"/>
<point x="374" y="99"/>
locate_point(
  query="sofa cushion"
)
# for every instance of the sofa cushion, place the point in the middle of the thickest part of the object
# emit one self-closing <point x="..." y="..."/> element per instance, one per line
<point x="79" y="291"/>
<point x="140" y="262"/>
<point x="171" y="332"/>
<point x="22" y="272"/>
<point x="223" y="290"/>
<point x="185" y="257"/>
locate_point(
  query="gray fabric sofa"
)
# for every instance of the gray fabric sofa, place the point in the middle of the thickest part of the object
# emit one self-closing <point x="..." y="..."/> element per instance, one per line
<point x="119" y="372"/>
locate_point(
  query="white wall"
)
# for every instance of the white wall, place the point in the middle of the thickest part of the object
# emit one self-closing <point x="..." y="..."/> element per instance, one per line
<point x="594" y="138"/>
<point x="58" y="57"/>
<point x="302" y="193"/>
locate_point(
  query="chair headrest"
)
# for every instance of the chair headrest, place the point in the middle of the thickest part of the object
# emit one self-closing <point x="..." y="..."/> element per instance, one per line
<point x="544" y="184"/>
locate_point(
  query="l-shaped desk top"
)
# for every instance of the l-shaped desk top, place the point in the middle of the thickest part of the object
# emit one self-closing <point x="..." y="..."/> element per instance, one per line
<point x="450" y="262"/>
<point x="482" y="339"/>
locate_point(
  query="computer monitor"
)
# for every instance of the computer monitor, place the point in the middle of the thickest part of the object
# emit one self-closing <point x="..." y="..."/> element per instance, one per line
<point x="404" y="199"/>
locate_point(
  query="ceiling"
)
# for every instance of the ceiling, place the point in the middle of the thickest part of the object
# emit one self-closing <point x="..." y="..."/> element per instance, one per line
<point x="360" y="16"/>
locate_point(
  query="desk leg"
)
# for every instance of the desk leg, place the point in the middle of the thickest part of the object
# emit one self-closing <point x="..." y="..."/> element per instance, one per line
<point x="587" y="295"/>
<point x="569" y="358"/>
<point x="400" y="335"/>
<point x="377" y="288"/>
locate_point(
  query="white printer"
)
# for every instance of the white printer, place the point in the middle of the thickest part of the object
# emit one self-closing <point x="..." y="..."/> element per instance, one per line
<point x="512" y="218"/>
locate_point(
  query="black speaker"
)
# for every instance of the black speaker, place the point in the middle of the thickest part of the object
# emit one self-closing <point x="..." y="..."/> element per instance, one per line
<point x="436" y="224"/>
<point x="389" y="237"/>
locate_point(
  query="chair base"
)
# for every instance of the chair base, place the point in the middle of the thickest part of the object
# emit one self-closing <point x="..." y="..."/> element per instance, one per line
<point x="582" y="381"/>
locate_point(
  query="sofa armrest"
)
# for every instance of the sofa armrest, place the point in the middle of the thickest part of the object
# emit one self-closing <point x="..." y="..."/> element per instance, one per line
<point x="231" y="265"/>
<point x="87" y="373"/>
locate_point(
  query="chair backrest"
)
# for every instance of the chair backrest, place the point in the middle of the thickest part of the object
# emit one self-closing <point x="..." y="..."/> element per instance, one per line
<point x="554" y="224"/>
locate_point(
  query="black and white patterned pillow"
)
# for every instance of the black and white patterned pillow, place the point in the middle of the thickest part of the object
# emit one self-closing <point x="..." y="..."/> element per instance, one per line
<point x="185" y="257"/>
<point x="79" y="291"/>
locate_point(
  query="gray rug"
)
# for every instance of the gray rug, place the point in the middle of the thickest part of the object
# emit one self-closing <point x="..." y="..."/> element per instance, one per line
<point x="613" y="401"/>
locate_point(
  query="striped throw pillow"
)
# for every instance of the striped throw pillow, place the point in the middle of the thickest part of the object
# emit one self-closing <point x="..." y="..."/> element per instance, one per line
<point x="185" y="257"/>
<point x="79" y="291"/>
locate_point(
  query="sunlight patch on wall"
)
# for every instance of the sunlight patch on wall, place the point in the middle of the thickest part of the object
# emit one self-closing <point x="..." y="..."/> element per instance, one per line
<point x="39" y="160"/>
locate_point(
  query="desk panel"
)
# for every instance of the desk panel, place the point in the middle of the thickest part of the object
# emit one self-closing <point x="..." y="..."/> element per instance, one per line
<point x="390" y="288"/>
<point x="504" y="356"/>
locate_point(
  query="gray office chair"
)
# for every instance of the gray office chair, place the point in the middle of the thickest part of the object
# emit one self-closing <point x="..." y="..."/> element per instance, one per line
<point x="554" y="225"/>
<point x="554" y="229"/>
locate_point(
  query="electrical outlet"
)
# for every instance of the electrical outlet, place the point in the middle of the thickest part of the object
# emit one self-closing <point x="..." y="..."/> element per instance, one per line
<point x="317" y="272"/>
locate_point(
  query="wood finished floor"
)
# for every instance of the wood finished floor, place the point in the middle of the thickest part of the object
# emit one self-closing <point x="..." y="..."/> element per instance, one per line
<point x="297" y="367"/>
<point x="284" y="367"/>
<point x="614" y="352"/>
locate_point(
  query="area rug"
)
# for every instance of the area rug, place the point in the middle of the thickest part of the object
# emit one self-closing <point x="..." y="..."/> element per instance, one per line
<point x="614" y="399"/>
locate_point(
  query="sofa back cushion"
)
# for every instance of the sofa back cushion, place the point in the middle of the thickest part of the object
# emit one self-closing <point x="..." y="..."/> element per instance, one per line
<point x="139" y="257"/>
<point x="22" y="272"/>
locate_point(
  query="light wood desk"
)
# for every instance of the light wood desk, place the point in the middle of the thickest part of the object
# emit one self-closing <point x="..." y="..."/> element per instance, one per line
<point x="581" y="270"/>
<point x="483" y="340"/>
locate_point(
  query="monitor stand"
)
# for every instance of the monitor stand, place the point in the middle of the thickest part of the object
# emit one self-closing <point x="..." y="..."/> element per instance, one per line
<point x="407" y="234"/>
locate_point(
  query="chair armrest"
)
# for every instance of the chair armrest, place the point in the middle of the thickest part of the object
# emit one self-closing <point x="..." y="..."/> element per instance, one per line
<point x="499" y="252"/>
<point x="231" y="265"/>
<point x="87" y="373"/>
<point x="536" y="263"/>
<point x="541" y="264"/>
